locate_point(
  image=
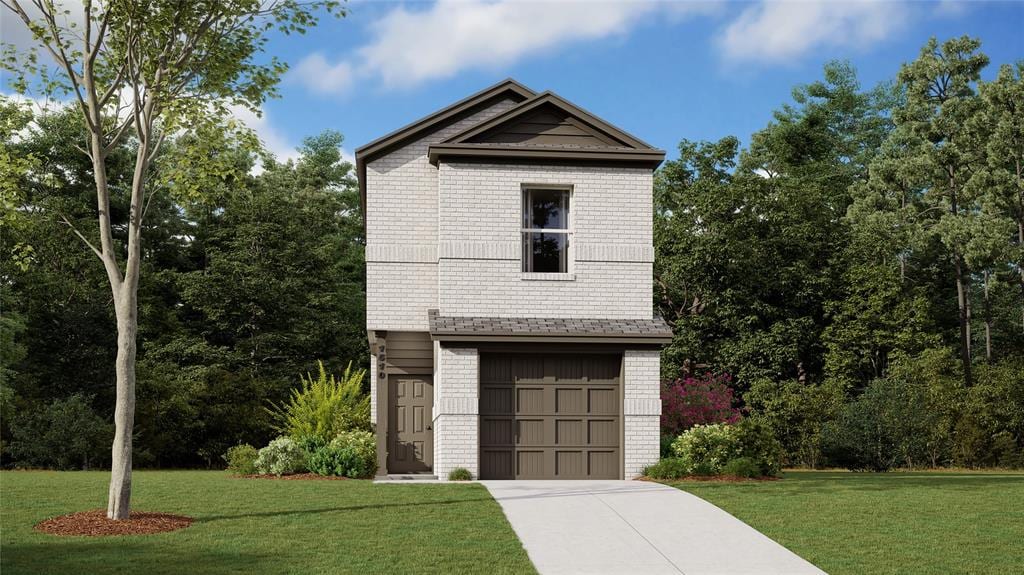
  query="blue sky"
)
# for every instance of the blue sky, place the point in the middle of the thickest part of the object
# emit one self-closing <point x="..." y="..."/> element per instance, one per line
<point x="660" y="70"/>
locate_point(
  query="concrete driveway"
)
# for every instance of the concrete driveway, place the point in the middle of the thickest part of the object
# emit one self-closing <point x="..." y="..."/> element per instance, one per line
<point x="635" y="527"/>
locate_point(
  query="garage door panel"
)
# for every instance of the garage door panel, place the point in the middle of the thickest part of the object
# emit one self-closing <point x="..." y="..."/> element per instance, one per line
<point x="498" y="369"/>
<point x="494" y="431"/>
<point x="563" y="413"/>
<point x="603" y="401"/>
<point x="570" y="400"/>
<point x="529" y="400"/>
<point x="530" y="464"/>
<point x="603" y="432"/>
<point x="530" y="432"/>
<point x="496" y="400"/>
<point x="570" y="464"/>
<point x="496" y="464"/>
<point x="569" y="432"/>
<point x="603" y="464"/>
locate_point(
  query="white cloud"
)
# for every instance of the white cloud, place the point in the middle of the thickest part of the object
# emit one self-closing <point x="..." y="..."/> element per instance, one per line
<point x="321" y="76"/>
<point x="781" y="31"/>
<point x="409" y="47"/>
<point x="273" y="139"/>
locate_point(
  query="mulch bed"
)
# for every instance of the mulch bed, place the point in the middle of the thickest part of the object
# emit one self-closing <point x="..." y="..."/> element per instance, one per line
<point x="294" y="477"/>
<point x="94" y="523"/>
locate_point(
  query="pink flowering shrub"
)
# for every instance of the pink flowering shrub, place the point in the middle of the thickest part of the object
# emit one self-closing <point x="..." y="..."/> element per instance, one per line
<point x="697" y="401"/>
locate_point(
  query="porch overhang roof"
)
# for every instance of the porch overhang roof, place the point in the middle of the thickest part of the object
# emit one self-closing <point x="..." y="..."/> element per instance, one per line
<point x="553" y="330"/>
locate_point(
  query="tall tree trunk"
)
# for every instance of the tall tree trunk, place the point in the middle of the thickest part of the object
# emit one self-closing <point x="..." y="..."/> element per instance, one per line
<point x="988" y="320"/>
<point x="965" y="333"/>
<point x="126" y="310"/>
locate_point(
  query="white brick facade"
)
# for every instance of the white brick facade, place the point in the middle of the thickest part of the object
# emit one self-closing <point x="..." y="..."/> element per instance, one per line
<point x="456" y="411"/>
<point x="401" y="231"/>
<point x="480" y="255"/>
<point x="641" y="413"/>
<point x="449" y="237"/>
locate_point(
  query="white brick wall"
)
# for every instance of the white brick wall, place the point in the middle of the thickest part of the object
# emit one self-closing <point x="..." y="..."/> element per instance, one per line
<point x="641" y="409"/>
<point x="456" y="410"/>
<point x="496" y="288"/>
<point x="398" y="295"/>
<point x="401" y="231"/>
<point x="480" y="264"/>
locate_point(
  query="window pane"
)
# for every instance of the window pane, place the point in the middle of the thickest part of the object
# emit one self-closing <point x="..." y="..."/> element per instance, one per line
<point x="545" y="252"/>
<point x="547" y="209"/>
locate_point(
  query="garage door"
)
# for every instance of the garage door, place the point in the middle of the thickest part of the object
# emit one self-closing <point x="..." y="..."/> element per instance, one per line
<point x="550" y="416"/>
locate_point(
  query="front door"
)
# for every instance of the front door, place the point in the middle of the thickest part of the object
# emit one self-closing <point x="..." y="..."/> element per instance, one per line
<point x="410" y="420"/>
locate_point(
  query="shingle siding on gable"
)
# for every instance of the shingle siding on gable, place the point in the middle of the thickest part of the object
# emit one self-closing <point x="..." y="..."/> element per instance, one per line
<point x="480" y="256"/>
<point x="401" y="231"/>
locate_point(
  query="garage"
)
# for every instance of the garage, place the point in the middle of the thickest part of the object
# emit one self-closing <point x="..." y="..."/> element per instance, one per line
<point x="550" y="416"/>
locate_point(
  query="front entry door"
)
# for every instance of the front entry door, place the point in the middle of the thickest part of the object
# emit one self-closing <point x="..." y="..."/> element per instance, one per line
<point x="410" y="421"/>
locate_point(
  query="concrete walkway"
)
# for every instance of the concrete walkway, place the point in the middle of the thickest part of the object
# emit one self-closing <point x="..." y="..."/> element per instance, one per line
<point x="635" y="527"/>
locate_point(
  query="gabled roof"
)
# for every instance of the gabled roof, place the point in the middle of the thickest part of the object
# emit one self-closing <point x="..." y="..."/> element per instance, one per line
<point x="506" y="89"/>
<point x="540" y="127"/>
<point x="548" y="127"/>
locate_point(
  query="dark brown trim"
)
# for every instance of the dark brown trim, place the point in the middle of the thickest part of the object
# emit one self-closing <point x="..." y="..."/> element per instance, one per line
<point x="381" y="425"/>
<point x="507" y="88"/>
<point x="549" y="97"/>
<point x="473" y="339"/>
<point x="641" y="158"/>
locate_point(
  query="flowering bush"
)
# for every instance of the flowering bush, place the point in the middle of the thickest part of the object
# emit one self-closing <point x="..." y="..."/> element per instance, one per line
<point x="705" y="449"/>
<point x="282" y="457"/>
<point x="697" y="401"/>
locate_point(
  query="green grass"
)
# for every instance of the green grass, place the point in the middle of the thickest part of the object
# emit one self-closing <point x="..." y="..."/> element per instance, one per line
<point x="261" y="526"/>
<point x="906" y="523"/>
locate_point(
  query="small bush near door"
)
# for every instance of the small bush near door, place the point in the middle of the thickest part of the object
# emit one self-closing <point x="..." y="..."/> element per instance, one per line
<point x="459" y="474"/>
<point x="351" y="454"/>
<point x="241" y="459"/>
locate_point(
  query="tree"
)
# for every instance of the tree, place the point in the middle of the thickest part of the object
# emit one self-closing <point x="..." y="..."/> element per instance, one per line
<point x="940" y="100"/>
<point x="149" y="69"/>
<point x="999" y="128"/>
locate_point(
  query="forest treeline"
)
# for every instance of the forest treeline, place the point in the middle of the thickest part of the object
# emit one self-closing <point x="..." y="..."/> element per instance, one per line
<point x="856" y="270"/>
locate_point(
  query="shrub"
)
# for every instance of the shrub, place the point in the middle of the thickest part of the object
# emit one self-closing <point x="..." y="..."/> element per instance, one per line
<point x="796" y="412"/>
<point x="704" y="449"/>
<point x="666" y="445"/>
<point x="742" y="467"/>
<point x="241" y="459"/>
<point x="459" y="474"/>
<point x="888" y="425"/>
<point x="283" y="456"/>
<point x="65" y="434"/>
<point x="759" y="445"/>
<point x="667" y="468"/>
<point x="351" y="454"/>
<point x="697" y="401"/>
<point x="324" y="407"/>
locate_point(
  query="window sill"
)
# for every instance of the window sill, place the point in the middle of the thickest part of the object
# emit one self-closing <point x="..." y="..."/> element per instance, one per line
<point x="558" y="277"/>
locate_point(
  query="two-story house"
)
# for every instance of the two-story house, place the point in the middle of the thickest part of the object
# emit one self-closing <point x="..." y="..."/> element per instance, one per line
<point x="509" y="300"/>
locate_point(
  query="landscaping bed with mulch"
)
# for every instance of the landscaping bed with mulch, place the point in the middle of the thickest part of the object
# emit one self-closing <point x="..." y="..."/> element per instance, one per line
<point x="94" y="523"/>
<point x="293" y="476"/>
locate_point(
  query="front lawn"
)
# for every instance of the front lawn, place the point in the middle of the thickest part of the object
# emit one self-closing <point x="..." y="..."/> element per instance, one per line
<point x="906" y="523"/>
<point x="261" y="526"/>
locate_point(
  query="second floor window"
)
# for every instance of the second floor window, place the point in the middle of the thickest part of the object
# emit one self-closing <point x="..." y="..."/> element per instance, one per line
<point x="546" y="231"/>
